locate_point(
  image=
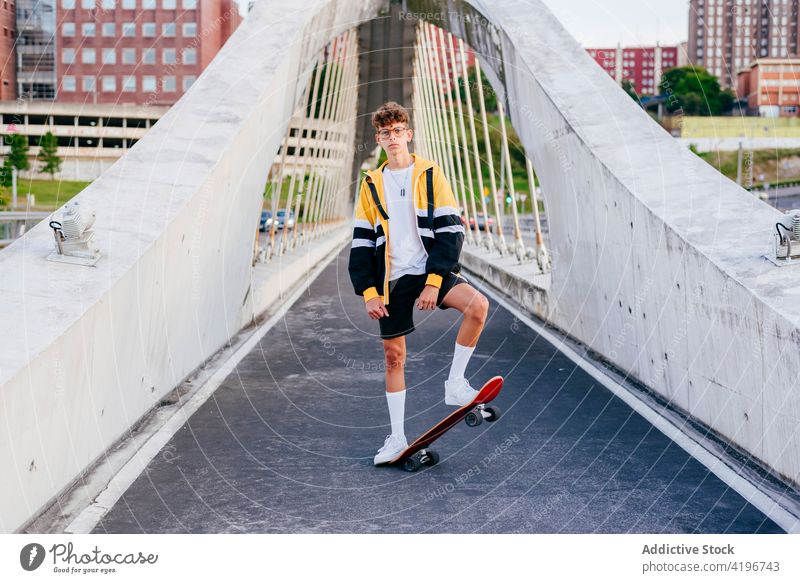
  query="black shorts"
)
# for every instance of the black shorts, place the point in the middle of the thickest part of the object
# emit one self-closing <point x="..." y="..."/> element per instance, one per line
<point x="403" y="293"/>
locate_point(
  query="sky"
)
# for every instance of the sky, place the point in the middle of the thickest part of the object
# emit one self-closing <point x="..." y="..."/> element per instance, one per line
<point x="604" y="23"/>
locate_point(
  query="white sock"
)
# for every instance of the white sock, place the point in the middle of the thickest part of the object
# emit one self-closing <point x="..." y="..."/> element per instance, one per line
<point x="460" y="359"/>
<point x="397" y="412"/>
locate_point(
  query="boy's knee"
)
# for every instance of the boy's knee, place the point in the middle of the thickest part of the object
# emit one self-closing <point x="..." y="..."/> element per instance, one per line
<point x="479" y="309"/>
<point x="395" y="355"/>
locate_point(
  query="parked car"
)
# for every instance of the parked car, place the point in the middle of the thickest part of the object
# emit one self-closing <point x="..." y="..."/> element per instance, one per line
<point x="266" y="220"/>
<point x="481" y="223"/>
<point x="282" y="221"/>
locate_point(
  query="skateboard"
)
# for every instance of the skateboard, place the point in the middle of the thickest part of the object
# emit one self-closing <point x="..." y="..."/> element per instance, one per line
<point x="417" y="453"/>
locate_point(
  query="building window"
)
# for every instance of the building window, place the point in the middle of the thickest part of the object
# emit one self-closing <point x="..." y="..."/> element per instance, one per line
<point x="109" y="29"/>
<point x="188" y="81"/>
<point x="148" y="29"/>
<point x="109" y="56"/>
<point x="87" y="4"/>
<point x="68" y="83"/>
<point x="149" y="56"/>
<point x="109" y="83"/>
<point x="68" y="29"/>
<point x="68" y="4"/>
<point x="149" y="83"/>
<point x="128" y="56"/>
<point x="88" y="84"/>
<point x="168" y="57"/>
<point x="88" y="56"/>
<point x="189" y="4"/>
<point x="168" y="29"/>
<point x="129" y="83"/>
<point x="129" y="29"/>
<point x="68" y="56"/>
<point x="169" y="4"/>
<point x="189" y="56"/>
<point x="88" y="29"/>
<point x="129" y="4"/>
<point x="148" y="4"/>
<point x="189" y="29"/>
<point x="168" y="84"/>
<point x="109" y="4"/>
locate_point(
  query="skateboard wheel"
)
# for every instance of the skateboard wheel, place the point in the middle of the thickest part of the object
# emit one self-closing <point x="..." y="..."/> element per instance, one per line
<point x="412" y="464"/>
<point x="433" y="458"/>
<point x="473" y="418"/>
<point x="494" y="413"/>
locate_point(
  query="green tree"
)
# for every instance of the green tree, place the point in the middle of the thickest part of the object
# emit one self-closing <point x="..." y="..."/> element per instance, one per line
<point x="489" y="96"/>
<point x="629" y="88"/>
<point x="18" y="156"/>
<point x="694" y="91"/>
<point x="5" y="180"/>
<point x="5" y="174"/>
<point x="48" y="154"/>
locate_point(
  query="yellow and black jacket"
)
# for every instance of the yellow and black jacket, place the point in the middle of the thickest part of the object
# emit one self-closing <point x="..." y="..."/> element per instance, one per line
<point x="438" y="222"/>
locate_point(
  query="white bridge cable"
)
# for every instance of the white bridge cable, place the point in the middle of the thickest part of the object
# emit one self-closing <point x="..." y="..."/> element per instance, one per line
<point x="447" y="145"/>
<point x="332" y="212"/>
<point x="500" y="244"/>
<point x="319" y="153"/>
<point x="335" y="136"/>
<point x="486" y="237"/>
<point x="448" y="90"/>
<point x="475" y="237"/>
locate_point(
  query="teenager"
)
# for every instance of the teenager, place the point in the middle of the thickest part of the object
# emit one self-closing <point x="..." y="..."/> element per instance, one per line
<point x="405" y="252"/>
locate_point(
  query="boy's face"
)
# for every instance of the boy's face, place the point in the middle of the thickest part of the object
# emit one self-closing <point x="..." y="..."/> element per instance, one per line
<point x="394" y="138"/>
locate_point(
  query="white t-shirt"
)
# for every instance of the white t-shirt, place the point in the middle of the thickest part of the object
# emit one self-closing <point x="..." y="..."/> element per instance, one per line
<point x="406" y="251"/>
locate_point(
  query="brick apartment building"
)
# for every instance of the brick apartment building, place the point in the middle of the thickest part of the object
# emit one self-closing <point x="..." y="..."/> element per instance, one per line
<point x="8" y="77"/>
<point x="641" y="65"/>
<point x="726" y="36"/>
<point x="771" y="87"/>
<point x="118" y="51"/>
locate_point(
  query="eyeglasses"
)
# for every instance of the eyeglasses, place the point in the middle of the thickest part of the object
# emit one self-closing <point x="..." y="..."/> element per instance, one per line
<point x="398" y="131"/>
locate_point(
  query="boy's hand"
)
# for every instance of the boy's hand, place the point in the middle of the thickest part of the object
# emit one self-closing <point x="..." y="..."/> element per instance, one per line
<point x="427" y="299"/>
<point x="376" y="308"/>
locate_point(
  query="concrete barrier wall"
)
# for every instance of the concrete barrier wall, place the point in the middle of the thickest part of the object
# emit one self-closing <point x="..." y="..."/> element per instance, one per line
<point x="657" y="258"/>
<point x="86" y="352"/>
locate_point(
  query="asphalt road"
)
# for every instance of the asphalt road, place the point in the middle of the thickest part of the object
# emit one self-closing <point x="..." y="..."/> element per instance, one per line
<point x="286" y="443"/>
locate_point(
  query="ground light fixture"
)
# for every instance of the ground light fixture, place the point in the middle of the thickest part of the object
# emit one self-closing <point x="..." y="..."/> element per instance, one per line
<point x="74" y="237"/>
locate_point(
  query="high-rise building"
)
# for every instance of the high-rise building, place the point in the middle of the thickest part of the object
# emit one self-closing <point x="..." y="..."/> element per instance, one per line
<point x="8" y="68"/>
<point x="643" y="66"/>
<point x="136" y="52"/>
<point x="35" y="49"/>
<point x="726" y="36"/>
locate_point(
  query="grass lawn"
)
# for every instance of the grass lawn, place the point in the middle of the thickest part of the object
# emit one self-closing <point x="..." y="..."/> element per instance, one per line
<point x="48" y="194"/>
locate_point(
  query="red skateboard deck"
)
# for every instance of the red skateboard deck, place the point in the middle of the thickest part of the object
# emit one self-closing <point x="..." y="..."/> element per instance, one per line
<point x="416" y="454"/>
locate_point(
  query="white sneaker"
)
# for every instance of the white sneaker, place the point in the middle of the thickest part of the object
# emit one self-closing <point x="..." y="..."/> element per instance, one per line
<point x="391" y="448"/>
<point x="458" y="392"/>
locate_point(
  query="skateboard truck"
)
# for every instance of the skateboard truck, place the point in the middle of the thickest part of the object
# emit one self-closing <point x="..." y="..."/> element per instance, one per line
<point x="481" y="412"/>
<point x="428" y="457"/>
<point x="424" y="457"/>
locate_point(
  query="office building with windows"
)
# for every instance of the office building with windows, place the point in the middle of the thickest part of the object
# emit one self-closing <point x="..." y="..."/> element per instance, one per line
<point x="771" y="87"/>
<point x="138" y="52"/>
<point x="726" y="36"/>
<point x="643" y="66"/>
